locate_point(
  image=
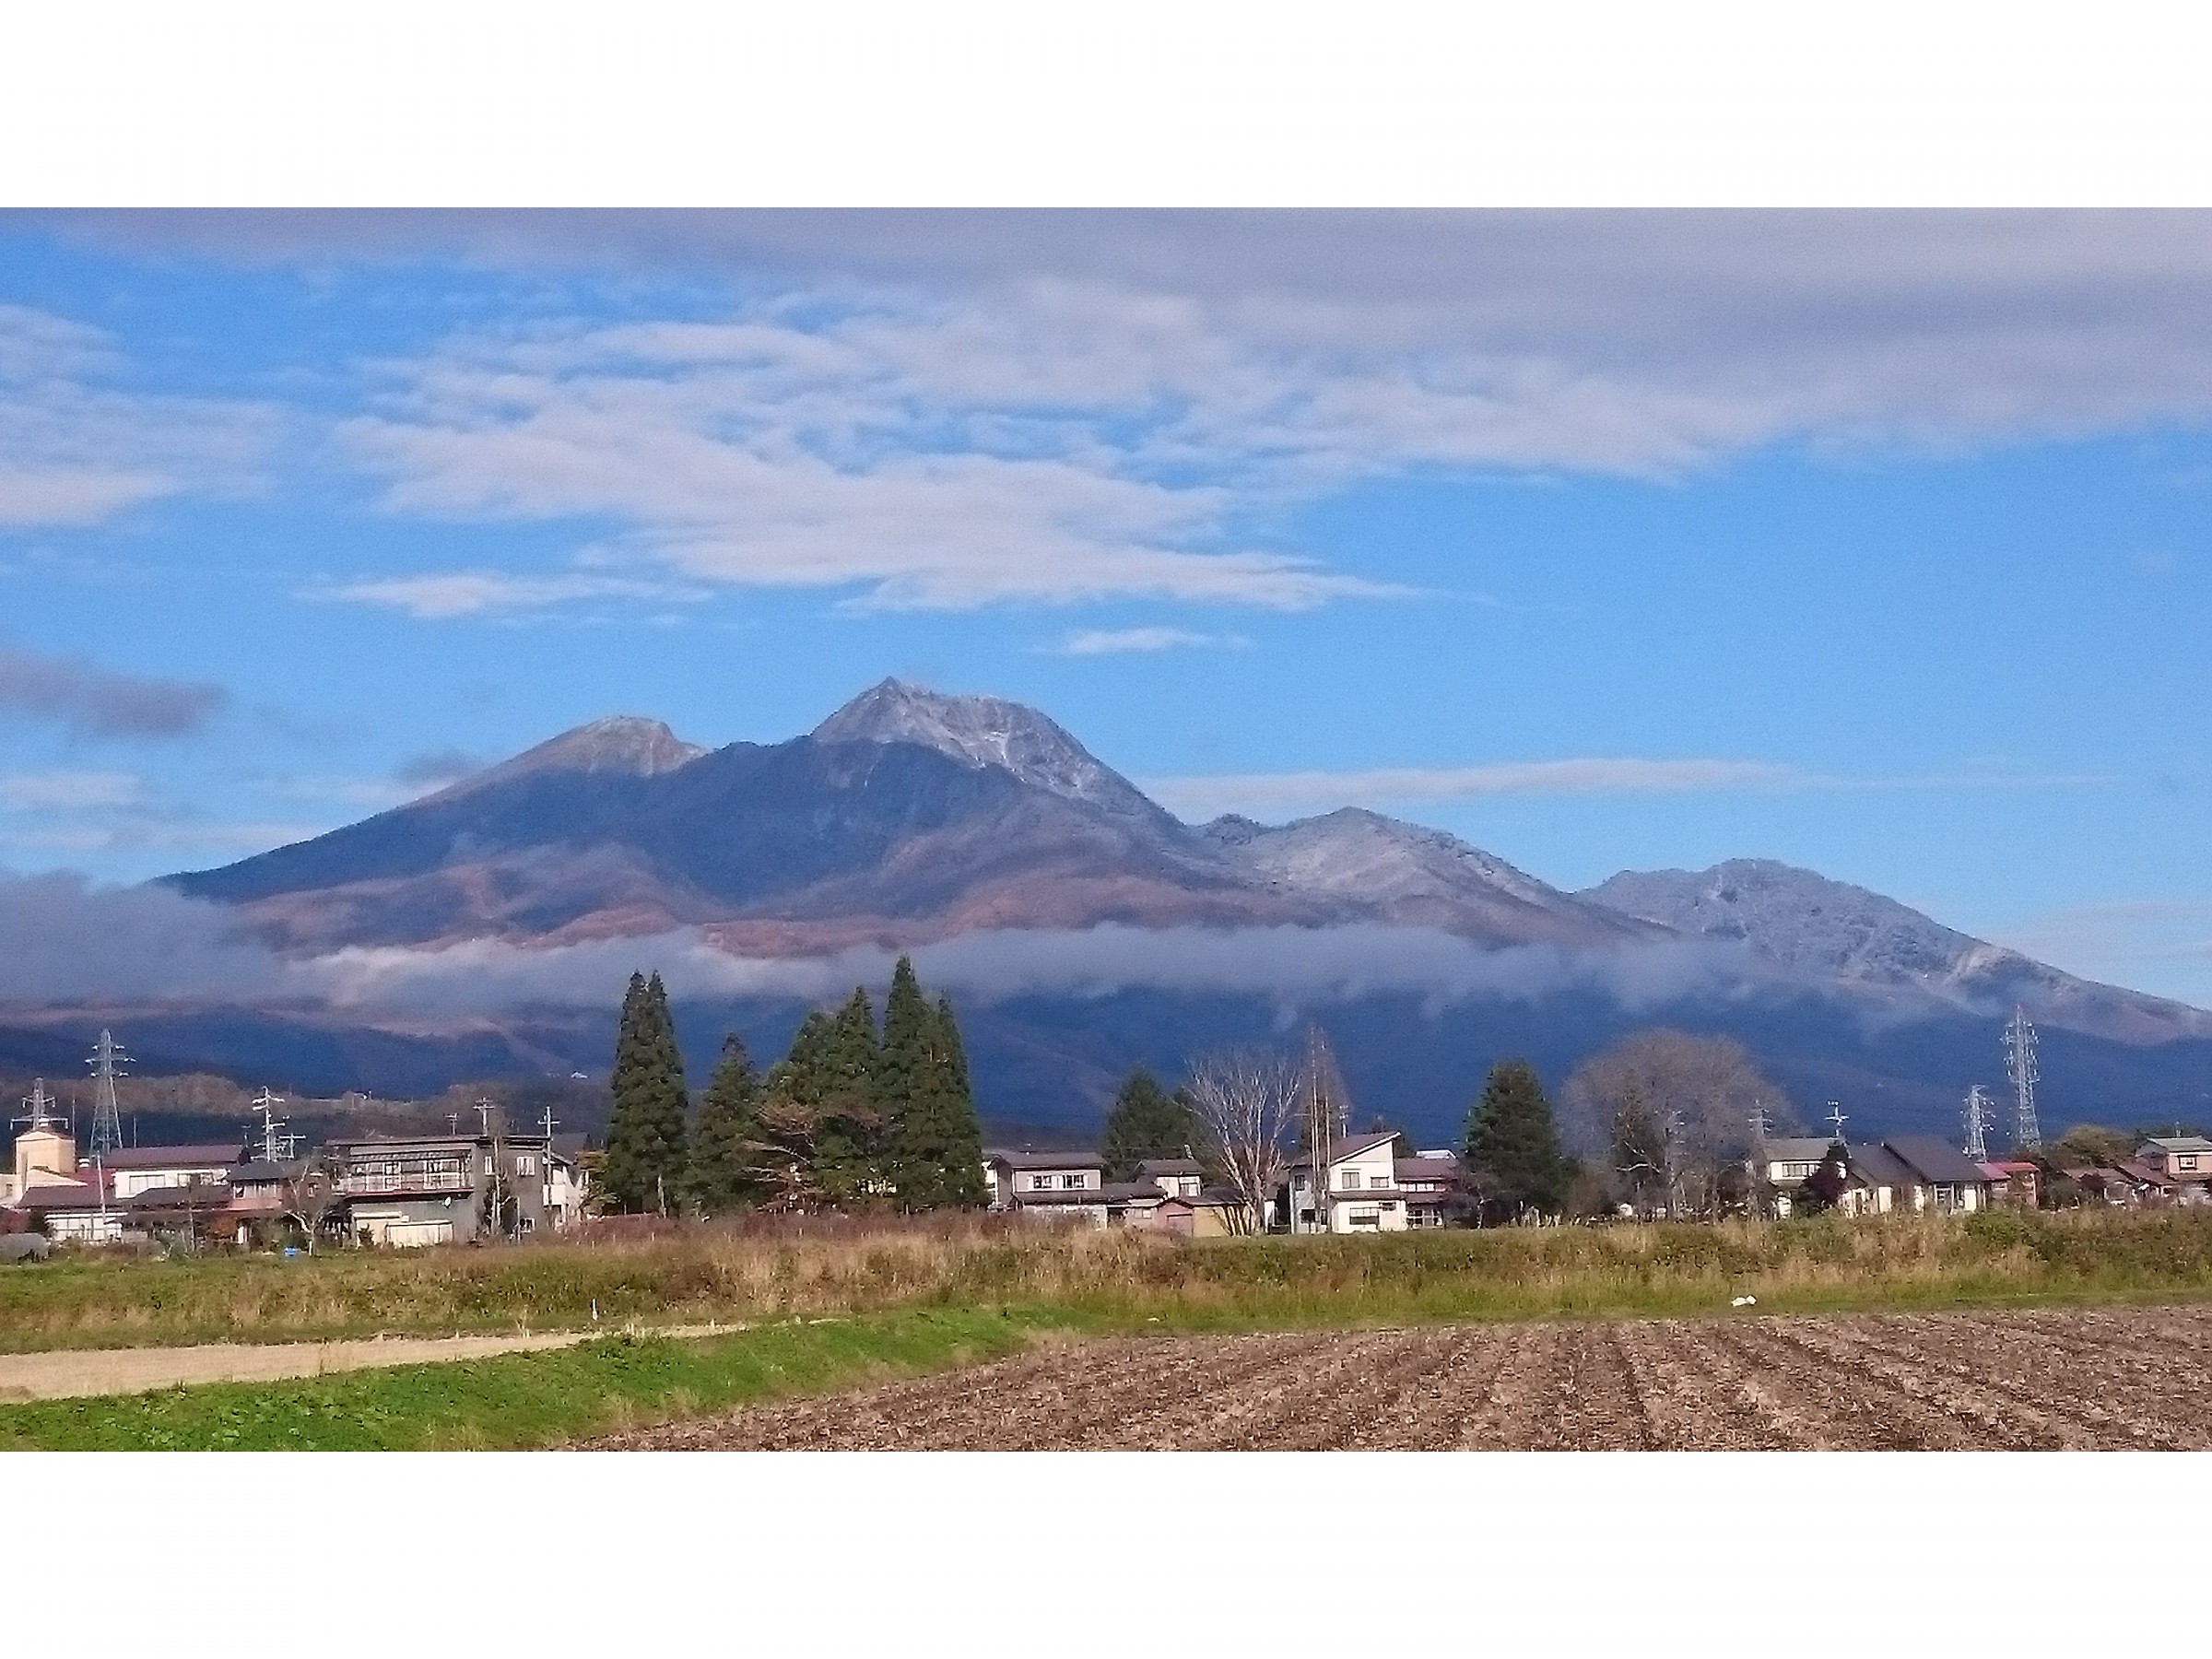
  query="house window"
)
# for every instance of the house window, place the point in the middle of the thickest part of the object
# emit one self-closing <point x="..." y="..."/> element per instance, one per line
<point x="1378" y="1180"/>
<point x="525" y="1165"/>
<point x="487" y="1163"/>
<point x="2186" y="1161"/>
<point x="1350" y="1179"/>
<point x="1039" y="1184"/>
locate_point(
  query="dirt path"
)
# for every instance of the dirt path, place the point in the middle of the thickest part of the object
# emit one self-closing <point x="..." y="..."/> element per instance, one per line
<point x="2047" y="1379"/>
<point x="67" y="1373"/>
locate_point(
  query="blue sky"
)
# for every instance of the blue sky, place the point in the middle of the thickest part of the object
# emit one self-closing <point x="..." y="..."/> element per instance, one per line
<point x="1875" y="542"/>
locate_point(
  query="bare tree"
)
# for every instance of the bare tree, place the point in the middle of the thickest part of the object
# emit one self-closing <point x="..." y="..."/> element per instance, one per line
<point x="1250" y="1108"/>
<point x="310" y="1195"/>
<point x="1669" y="1113"/>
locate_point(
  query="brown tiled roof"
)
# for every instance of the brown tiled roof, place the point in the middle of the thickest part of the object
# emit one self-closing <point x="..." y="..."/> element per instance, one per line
<point x="58" y="1196"/>
<point x="1427" y="1169"/>
<point x="203" y="1156"/>
<point x="1351" y="1146"/>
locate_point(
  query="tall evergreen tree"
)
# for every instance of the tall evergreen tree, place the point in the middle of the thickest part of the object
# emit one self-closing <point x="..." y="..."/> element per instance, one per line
<point x="949" y="1138"/>
<point x="726" y="1143"/>
<point x="1147" y="1122"/>
<point x="1512" y="1145"/>
<point x="849" y="1148"/>
<point x="902" y="1083"/>
<point x="644" y="1166"/>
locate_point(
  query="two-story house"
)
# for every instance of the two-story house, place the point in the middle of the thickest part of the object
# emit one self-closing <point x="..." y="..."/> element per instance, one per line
<point x="2180" y="1157"/>
<point x="1027" y="1177"/>
<point x="443" y="1189"/>
<point x="1434" y="1193"/>
<point x="134" y="1170"/>
<point x="1355" y="1188"/>
<point x="1177" y="1177"/>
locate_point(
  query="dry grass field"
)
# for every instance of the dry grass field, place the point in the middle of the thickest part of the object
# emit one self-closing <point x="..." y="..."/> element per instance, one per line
<point x="2026" y="1380"/>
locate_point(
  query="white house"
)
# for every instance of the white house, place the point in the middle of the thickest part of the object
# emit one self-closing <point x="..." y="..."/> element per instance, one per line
<point x="1026" y="1176"/>
<point x="1358" y="1190"/>
<point x="1177" y="1177"/>
<point x="135" y="1169"/>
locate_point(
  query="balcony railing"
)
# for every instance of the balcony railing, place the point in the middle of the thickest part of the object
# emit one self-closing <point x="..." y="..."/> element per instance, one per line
<point x="406" y="1180"/>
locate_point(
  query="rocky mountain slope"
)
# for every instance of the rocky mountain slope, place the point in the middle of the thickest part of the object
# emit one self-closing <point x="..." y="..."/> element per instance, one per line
<point x="1829" y="930"/>
<point x="905" y="816"/>
<point x="908" y="817"/>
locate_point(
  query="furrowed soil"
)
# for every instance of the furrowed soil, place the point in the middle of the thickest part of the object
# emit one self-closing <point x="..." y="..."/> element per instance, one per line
<point x="2046" y="1379"/>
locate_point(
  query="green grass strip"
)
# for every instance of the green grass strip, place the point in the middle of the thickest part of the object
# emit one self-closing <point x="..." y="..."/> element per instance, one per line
<point x="513" y="1401"/>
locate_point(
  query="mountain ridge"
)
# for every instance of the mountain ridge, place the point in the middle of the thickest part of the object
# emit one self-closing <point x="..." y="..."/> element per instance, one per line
<point x="908" y="816"/>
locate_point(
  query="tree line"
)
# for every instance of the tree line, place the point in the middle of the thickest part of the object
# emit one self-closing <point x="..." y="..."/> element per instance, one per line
<point x="854" y="1117"/>
<point x="1663" y="1122"/>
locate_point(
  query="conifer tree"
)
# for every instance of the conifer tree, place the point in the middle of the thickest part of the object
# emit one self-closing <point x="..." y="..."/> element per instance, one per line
<point x="902" y="1084"/>
<point x="1512" y="1144"/>
<point x="849" y="1148"/>
<point x="644" y="1166"/>
<point x="1147" y="1122"/>
<point x="953" y="1136"/>
<point x="726" y="1143"/>
<point x="936" y="1151"/>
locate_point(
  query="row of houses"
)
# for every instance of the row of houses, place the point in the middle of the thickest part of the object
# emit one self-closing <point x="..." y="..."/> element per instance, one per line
<point x="396" y="1190"/>
<point x="1916" y="1174"/>
<point x="1360" y="1186"/>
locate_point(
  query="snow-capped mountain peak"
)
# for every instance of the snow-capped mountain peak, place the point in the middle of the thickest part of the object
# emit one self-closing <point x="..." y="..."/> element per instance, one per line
<point x="982" y="731"/>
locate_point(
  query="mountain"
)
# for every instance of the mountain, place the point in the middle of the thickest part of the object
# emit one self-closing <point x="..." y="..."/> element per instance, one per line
<point x="905" y="816"/>
<point x="909" y="818"/>
<point x="1414" y="877"/>
<point x="1830" y="930"/>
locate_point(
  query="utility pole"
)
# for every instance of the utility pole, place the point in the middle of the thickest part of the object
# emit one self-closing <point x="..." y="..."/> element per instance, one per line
<point x="277" y="1142"/>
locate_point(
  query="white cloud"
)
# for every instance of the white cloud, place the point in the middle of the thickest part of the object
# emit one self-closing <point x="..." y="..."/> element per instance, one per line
<point x="1118" y="641"/>
<point x="1266" y="793"/>
<point x="441" y="599"/>
<point x="70" y="790"/>
<point x="1094" y="406"/>
<point x="1293" y="966"/>
<point x="74" y="452"/>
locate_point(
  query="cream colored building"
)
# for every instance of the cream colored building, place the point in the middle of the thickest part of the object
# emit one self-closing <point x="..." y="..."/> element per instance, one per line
<point x="1358" y="1190"/>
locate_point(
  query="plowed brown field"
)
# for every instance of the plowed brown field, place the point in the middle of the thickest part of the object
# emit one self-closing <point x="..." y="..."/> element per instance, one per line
<point x="2018" y="1381"/>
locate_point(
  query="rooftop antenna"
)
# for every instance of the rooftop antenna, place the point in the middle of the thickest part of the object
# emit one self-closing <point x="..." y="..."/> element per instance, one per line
<point x="277" y="1142"/>
<point x="452" y="1123"/>
<point x="2020" y="1065"/>
<point x="1981" y="1112"/>
<point x="1835" y="1116"/>
<point x="484" y="1111"/>
<point x="107" y="1118"/>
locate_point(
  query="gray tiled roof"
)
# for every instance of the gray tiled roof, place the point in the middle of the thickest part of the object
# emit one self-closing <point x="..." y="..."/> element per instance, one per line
<point x="1878" y="1166"/>
<point x="1028" y="1157"/>
<point x="1933" y="1160"/>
